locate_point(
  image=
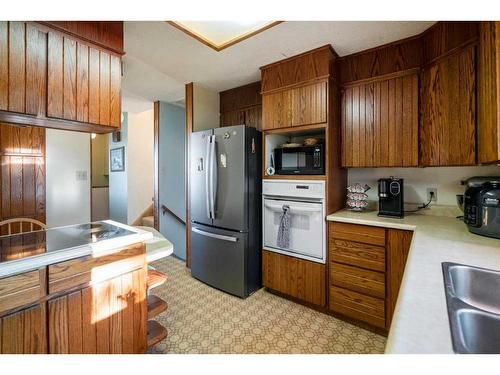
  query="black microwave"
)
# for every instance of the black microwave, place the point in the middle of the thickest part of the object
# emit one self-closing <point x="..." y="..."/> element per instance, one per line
<point x="300" y="160"/>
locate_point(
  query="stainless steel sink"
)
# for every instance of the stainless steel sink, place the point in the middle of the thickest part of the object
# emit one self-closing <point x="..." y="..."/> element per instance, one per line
<point x="473" y="299"/>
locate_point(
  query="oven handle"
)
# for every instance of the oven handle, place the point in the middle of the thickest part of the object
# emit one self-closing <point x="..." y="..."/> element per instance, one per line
<point x="278" y="207"/>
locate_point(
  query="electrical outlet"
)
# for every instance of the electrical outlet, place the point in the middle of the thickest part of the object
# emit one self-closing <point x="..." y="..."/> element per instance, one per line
<point x="434" y="196"/>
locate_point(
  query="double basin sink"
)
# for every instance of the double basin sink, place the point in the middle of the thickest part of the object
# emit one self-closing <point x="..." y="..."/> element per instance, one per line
<point x="473" y="299"/>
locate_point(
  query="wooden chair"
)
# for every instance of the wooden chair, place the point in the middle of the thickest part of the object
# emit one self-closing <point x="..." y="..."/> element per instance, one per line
<point x="34" y="225"/>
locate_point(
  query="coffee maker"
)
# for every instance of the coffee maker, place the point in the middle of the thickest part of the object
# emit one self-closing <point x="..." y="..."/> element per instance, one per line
<point x="390" y="197"/>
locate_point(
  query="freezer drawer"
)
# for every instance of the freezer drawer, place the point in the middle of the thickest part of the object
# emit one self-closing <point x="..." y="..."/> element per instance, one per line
<point x="218" y="258"/>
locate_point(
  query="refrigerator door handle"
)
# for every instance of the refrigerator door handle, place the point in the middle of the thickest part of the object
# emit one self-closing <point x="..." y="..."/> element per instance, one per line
<point x="214" y="173"/>
<point x="213" y="235"/>
<point x="207" y="179"/>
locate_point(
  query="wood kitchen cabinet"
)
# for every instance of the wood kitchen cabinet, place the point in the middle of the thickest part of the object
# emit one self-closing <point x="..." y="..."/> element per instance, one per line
<point x="488" y="75"/>
<point x="241" y="105"/>
<point x="380" y="122"/>
<point x="295" y="90"/>
<point x="85" y="305"/>
<point x="298" y="278"/>
<point x="366" y="266"/>
<point x="52" y="78"/>
<point x="448" y="107"/>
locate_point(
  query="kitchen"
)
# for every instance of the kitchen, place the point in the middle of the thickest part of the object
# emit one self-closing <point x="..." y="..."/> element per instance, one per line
<point x="332" y="195"/>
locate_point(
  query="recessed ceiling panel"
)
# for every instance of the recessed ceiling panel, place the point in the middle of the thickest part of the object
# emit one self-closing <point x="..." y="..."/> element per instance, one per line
<point x="222" y="34"/>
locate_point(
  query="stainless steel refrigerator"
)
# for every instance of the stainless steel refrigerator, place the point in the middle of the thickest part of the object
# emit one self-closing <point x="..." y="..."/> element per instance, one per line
<point x="225" y="194"/>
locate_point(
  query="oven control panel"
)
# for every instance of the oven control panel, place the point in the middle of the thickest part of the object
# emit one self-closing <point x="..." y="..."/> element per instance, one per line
<point x="294" y="188"/>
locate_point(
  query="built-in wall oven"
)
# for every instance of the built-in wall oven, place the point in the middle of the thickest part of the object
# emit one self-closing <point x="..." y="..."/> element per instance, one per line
<point x="304" y="203"/>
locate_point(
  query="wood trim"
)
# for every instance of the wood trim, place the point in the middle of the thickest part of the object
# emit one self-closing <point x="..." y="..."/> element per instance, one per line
<point x="189" y="130"/>
<point x="383" y="77"/>
<point x="156" y="173"/>
<point x="296" y="129"/>
<point x="229" y="43"/>
<point x="61" y="30"/>
<point x="21" y="119"/>
<point x="323" y="78"/>
<point x="293" y="177"/>
<point x="457" y="49"/>
<point x="326" y="46"/>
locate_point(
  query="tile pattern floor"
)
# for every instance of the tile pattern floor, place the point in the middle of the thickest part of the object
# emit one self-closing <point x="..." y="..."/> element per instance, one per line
<point x="201" y="319"/>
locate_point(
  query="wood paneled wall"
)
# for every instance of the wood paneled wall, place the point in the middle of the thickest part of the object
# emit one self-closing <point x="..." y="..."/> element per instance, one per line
<point x="22" y="175"/>
<point x="241" y="105"/>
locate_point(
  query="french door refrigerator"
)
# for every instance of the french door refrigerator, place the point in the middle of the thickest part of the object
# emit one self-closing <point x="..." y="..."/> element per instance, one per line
<point x="225" y="196"/>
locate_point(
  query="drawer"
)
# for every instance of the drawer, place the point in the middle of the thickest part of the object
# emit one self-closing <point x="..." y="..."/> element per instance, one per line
<point x="357" y="254"/>
<point x="358" y="306"/>
<point x="91" y="269"/>
<point x="358" y="233"/>
<point x="358" y="279"/>
<point x="19" y="290"/>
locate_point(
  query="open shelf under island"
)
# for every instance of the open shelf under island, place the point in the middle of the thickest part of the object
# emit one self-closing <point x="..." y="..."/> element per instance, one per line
<point x="76" y="289"/>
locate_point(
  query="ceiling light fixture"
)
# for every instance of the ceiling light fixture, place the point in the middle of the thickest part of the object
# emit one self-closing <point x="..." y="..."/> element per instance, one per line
<point x="219" y="35"/>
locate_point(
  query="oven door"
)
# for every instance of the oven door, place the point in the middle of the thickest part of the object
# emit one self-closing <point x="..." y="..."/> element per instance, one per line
<point x="307" y="224"/>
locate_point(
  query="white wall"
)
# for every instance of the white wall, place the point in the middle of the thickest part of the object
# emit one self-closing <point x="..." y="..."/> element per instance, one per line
<point x="140" y="159"/>
<point x="205" y="108"/>
<point x="417" y="180"/>
<point x="68" y="198"/>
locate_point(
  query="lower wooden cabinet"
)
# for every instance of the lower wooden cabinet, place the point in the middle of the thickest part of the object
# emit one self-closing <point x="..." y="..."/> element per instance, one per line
<point x="298" y="278"/>
<point x="365" y="271"/>
<point x="107" y="318"/>
<point x="93" y="304"/>
<point x="24" y="332"/>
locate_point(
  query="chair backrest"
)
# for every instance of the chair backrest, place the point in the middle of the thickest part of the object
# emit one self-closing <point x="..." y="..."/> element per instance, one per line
<point x="32" y="224"/>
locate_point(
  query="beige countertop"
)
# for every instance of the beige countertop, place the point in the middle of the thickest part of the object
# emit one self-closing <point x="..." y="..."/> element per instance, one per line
<point x="420" y="323"/>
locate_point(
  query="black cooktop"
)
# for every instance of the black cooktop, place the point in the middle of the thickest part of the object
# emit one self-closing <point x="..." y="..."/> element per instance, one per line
<point x="56" y="239"/>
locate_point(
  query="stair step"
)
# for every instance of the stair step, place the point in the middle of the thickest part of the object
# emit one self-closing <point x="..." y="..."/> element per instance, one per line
<point x="148" y="221"/>
<point x="155" y="306"/>
<point x="156" y="333"/>
<point x="155" y="278"/>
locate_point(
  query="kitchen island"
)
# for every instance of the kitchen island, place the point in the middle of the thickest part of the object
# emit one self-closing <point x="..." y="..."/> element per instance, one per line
<point x="76" y="289"/>
<point x="420" y="322"/>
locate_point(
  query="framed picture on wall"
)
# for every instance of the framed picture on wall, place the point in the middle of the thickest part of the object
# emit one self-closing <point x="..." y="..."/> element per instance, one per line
<point x="117" y="159"/>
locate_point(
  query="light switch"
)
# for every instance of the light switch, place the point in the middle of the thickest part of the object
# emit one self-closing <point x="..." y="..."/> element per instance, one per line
<point x="81" y="175"/>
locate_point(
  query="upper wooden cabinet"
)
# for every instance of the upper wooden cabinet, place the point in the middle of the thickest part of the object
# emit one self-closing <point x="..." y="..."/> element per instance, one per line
<point x="380" y="122"/>
<point x="448" y="127"/>
<point x="295" y="91"/>
<point x="54" y="79"/>
<point x="488" y="121"/>
<point x="242" y="105"/>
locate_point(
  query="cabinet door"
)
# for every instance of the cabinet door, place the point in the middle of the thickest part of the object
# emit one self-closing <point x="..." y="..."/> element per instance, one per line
<point x="488" y="74"/>
<point x="398" y="247"/>
<point x="309" y="104"/>
<point x="276" y="110"/>
<point x="83" y="83"/>
<point x="448" y="127"/>
<point x="232" y="118"/>
<point x="380" y="123"/>
<point x="253" y="117"/>
<point x="304" y="105"/>
<point x="24" y="332"/>
<point x="109" y="317"/>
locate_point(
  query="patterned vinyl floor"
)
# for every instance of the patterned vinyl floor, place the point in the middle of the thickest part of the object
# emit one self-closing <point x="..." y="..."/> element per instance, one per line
<point x="201" y="319"/>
